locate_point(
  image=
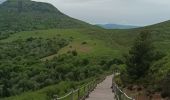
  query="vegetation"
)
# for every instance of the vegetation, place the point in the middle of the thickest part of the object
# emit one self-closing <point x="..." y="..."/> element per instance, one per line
<point x="21" y="69"/>
<point x="140" y="58"/>
<point x="29" y="15"/>
<point x="96" y="49"/>
<point x="159" y="77"/>
<point x="143" y="66"/>
<point x="50" y="53"/>
<point x="165" y="86"/>
<point x="20" y="66"/>
<point x="41" y="64"/>
<point x="123" y="39"/>
<point x="48" y="92"/>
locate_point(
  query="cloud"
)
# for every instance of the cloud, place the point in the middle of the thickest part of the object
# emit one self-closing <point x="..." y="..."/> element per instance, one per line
<point x="134" y="12"/>
<point x="1" y="1"/>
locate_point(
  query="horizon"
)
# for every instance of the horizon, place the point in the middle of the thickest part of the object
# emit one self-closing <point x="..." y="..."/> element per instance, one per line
<point x="136" y="13"/>
<point x="88" y="11"/>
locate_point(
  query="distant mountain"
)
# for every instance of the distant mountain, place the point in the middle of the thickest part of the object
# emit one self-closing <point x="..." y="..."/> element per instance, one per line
<point x="116" y="26"/>
<point x="26" y="15"/>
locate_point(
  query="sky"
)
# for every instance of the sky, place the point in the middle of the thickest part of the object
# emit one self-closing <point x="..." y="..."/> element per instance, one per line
<point x="127" y="12"/>
<point x="1" y="1"/>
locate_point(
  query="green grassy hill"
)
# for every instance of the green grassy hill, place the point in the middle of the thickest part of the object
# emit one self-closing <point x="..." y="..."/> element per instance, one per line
<point x="160" y="34"/>
<point x="157" y="78"/>
<point x="50" y="53"/>
<point x="47" y="49"/>
<point x="96" y="45"/>
<point x="86" y="46"/>
<point x="27" y="15"/>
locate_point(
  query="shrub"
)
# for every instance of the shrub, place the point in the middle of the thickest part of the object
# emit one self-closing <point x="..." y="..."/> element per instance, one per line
<point x="74" y="53"/>
<point x="84" y="43"/>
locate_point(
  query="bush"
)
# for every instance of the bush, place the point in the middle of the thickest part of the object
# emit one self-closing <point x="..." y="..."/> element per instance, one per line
<point x="74" y="53"/>
<point x="166" y="86"/>
<point x="84" y="43"/>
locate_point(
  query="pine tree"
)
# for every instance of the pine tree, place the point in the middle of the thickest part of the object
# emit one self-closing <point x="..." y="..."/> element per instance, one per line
<point x="140" y="57"/>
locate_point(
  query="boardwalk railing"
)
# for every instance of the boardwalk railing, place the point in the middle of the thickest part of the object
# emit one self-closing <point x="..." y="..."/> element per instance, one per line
<point x="119" y="94"/>
<point x="80" y="93"/>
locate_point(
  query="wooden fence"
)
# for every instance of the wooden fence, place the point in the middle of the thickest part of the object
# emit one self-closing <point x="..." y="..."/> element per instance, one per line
<point x="81" y="93"/>
<point x="119" y="94"/>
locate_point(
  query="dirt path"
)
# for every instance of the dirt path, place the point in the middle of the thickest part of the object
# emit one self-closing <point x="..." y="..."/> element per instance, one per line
<point x="103" y="91"/>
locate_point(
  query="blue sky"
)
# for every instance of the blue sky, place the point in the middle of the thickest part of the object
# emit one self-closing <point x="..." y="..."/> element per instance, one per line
<point x="130" y="12"/>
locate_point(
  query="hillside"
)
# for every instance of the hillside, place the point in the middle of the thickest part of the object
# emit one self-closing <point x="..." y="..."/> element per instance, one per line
<point x="51" y="53"/>
<point x="157" y="79"/>
<point x="116" y="26"/>
<point x="101" y="48"/>
<point x="72" y="56"/>
<point x="26" y="15"/>
<point x="96" y="45"/>
<point x="160" y="33"/>
<point x="48" y="49"/>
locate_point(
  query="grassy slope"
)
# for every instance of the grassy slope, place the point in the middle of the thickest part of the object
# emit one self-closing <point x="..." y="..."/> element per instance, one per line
<point x="100" y="43"/>
<point x="33" y="16"/>
<point x="93" y="48"/>
<point x="125" y="38"/>
<point x="43" y="94"/>
<point x="161" y="37"/>
<point x="30" y="15"/>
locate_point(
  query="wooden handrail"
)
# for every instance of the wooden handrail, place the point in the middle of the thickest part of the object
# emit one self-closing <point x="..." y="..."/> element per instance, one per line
<point x="86" y="91"/>
<point x="119" y="94"/>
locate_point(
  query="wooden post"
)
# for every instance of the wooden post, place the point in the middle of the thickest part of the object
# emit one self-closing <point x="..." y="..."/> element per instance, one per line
<point x="120" y="95"/>
<point x="84" y="95"/>
<point x="55" y="97"/>
<point x="88" y="90"/>
<point x="78" y="94"/>
<point x="94" y="84"/>
<point x="116" y="92"/>
<point x="112" y="82"/>
<point x="72" y="95"/>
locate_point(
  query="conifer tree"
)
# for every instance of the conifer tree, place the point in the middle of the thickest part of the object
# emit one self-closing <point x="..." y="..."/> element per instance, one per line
<point x="140" y="57"/>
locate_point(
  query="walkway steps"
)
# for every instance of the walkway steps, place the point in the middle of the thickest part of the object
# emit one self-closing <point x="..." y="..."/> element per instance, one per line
<point x="103" y="90"/>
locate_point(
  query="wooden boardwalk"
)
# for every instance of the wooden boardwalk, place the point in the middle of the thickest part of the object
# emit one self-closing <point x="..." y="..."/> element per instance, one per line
<point x="103" y="90"/>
